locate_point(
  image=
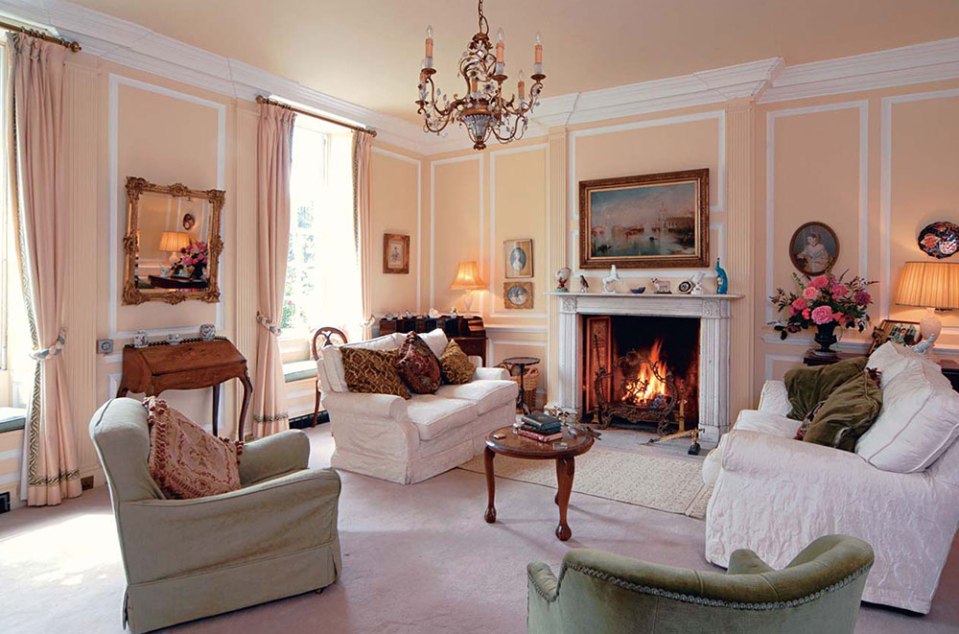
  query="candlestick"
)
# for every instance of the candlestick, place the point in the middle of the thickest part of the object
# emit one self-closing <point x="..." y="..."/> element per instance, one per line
<point x="538" y="50"/>
<point x="521" y="86"/>
<point x="429" y="42"/>
<point x="500" y="46"/>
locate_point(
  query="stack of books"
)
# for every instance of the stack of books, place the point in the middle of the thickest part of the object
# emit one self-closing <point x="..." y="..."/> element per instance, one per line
<point x="540" y="426"/>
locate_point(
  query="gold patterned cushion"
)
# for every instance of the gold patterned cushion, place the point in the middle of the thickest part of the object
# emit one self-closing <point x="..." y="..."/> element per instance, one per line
<point x="372" y="371"/>
<point x="418" y="366"/>
<point x="456" y="366"/>
<point x="185" y="461"/>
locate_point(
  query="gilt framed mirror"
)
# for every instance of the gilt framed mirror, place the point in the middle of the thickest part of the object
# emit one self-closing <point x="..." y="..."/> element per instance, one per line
<point x="172" y="243"/>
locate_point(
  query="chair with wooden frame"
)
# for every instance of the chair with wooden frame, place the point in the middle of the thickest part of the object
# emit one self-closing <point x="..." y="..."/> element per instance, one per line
<point x="326" y="336"/>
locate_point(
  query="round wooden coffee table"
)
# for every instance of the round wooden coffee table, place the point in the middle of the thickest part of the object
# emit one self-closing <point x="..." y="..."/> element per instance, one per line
<point x="577" y="440"/>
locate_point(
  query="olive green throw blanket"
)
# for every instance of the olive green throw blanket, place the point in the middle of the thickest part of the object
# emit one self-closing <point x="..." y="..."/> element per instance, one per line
<point x="808" y="387"/>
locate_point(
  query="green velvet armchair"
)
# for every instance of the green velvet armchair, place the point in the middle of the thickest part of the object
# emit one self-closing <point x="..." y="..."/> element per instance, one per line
<point x="186" y="559"/>
<point x="819" y="591"/>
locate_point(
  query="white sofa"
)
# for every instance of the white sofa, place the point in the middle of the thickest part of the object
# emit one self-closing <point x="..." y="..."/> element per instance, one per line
<point x="774" y="494"/>
<point x="408" y="441"/>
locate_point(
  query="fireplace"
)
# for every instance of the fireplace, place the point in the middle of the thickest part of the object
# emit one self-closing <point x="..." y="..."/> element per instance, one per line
<point x="711" y="316"/>
<point x="641" y="370"/>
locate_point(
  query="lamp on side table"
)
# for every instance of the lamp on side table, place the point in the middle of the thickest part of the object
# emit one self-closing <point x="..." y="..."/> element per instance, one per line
<point x="933" y="286"/>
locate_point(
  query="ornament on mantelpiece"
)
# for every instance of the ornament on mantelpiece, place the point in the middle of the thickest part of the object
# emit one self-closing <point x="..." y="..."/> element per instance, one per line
<point x="583" y="284"/>
<point x="610" y="281"/>
<point x="562" y="280"/>
<point x="697" y="281"/>
<point x="722" y="280"/>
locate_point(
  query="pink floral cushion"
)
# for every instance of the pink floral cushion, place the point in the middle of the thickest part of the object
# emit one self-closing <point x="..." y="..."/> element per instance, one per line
<point x="186" y="461"/>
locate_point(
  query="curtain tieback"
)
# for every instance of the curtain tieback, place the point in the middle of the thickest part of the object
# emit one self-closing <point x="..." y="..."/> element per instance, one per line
<point x="269" y="325"/>
<point x="45" y="354"/>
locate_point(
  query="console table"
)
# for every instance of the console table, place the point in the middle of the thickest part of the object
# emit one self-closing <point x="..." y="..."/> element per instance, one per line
<point x="193" y="364"/>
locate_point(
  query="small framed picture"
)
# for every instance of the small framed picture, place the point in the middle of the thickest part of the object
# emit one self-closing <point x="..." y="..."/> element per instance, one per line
<point x="902" y="332"/>
<point x="518" y="295"/>
<point x="519" y="258"/>
<point x="814" y="248"/>
<point x="396" y="253"/>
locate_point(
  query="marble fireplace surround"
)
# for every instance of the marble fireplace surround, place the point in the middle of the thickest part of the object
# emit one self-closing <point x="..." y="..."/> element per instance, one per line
<point x="714" y="313"/>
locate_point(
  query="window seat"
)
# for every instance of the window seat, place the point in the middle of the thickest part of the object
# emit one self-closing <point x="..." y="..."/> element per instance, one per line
<point x="299" y="370"/>
<point x="14" y="418"/>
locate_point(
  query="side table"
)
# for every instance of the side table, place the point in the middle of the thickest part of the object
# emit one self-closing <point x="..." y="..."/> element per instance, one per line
<point x="522" y="363"/>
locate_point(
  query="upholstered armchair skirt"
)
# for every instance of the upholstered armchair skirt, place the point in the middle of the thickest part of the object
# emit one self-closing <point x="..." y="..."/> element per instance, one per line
<point x="186" y="559"/>
<point x="819" y="591"/>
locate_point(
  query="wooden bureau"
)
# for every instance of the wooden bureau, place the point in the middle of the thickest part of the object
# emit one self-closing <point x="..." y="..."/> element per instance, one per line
<point x="191" y="365"/>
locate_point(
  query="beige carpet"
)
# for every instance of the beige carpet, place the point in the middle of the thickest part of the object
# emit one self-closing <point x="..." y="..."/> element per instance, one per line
<point x="641" y="477"/>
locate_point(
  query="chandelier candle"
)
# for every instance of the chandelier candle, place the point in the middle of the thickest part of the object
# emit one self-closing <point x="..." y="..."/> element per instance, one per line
<point x="484" y="110"/>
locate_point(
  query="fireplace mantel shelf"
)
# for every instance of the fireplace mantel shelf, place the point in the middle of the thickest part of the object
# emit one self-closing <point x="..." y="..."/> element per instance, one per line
<point x="646" y="295"/>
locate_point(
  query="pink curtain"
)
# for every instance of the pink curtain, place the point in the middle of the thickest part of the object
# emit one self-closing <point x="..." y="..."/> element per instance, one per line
<point x="50" y="470"/>
<point x="274" y="155"/>
<point x="363" y="223"/>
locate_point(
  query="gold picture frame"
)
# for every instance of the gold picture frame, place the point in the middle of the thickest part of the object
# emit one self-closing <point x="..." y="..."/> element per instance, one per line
<point x="518" y="295"/>
<point x="646" y="221"/>
<point x="396" y="253"/>
<point x="142" y="227"/>
<point x="518" y="258"/>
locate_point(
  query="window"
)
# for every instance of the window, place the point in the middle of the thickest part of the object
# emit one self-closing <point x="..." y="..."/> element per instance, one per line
<point x="16" y="366"/>
<point x="322" y="276"/>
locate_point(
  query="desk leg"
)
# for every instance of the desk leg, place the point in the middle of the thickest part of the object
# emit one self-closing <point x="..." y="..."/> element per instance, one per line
<point x="490" y="516"/>
<point x="216" y="405"/>
<point x="247" y="393"/>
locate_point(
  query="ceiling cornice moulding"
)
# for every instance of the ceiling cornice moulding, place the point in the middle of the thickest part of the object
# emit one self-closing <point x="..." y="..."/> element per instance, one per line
<point x="769" y="80"/>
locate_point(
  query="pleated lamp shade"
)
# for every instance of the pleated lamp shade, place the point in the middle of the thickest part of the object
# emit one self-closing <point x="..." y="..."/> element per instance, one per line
<point x="468" y="278"/>
<point x="174" y="241"/>
<point x="929" y="285"/>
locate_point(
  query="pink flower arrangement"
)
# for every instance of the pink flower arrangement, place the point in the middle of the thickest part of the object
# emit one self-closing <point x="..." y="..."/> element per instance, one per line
<point x="194" y="257"/>
<point x="821" y="301"/>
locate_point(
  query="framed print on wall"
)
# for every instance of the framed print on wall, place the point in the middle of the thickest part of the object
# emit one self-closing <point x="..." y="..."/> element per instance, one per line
<point x="649" y="221"/>
<point x="518" y="295"/>
<point x="519" y="258"/>
<point x="396" y="253"/>
<point x="901" y="332"/>
<point x="814" y="248"/>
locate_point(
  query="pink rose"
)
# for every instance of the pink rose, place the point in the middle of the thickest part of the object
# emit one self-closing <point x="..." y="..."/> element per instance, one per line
<point x="819" y="282"/>
<point x="805" y="314"/>
<point x="839" y="290"/>
<point x="863" y="298"/>
<point x="798" y="304"/>
<point x="810" y="293"/>
<point x="838" y="317"/>
<point x="822" y="315"/>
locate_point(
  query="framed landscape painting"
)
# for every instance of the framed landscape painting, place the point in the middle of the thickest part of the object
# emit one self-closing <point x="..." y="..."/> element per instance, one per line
<point x="650" y="221"/>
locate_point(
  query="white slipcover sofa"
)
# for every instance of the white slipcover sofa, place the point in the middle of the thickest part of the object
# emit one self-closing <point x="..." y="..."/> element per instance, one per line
<point x="407" y="441"/>
<point x="899" y="492"/>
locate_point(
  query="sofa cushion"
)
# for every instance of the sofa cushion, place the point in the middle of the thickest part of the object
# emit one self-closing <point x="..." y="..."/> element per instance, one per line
<point x="436" y="339"/>
<point x="418" y="366"/>
<point x="373" y="372"/>
<point x="333" y="359"/>
<point x="185" y="461"/>
<point x="765" y="423"/>
<point x="810" y="386"/>
<point x="891" y="359"/>
<point x="457" y="367"/>
<point x="847" y="413"/>
<point x="433" y="415"/>
<point x="486" y="395"/>
<point x="918" y="422"/>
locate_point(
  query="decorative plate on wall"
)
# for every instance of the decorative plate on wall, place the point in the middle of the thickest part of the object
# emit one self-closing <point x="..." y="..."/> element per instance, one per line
<point x="940" y="239"/>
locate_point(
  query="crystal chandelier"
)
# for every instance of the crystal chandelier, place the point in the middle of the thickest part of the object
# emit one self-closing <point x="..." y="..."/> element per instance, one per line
<point x="483" y="110"/>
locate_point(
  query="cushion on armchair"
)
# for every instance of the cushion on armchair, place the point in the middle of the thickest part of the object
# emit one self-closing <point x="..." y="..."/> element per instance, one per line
<point x="185" y="461"/>
<point x="810" y="386"/>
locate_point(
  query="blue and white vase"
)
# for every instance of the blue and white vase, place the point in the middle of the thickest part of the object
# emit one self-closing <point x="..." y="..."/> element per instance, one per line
<point x="722" y="280"/>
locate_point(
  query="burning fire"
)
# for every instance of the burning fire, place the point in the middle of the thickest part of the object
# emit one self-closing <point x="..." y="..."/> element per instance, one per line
<point x="643" y="388"/>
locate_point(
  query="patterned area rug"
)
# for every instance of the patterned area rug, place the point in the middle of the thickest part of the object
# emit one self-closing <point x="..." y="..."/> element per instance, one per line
<point x="640" y="477"/>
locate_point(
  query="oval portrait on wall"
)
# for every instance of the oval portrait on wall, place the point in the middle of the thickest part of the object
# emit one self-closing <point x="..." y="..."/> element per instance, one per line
<point x="814" y="248"/>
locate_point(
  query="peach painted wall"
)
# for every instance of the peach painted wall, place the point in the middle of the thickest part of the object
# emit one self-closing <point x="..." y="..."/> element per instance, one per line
<point x="457" y="211"/>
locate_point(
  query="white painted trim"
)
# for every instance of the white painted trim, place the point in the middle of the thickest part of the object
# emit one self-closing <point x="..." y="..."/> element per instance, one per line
<point x="862" y="106"/>
<point x="506" y="329"/>
<point x="419" y="216"/>
<point x="493" y="252"/>
<point x="573" y="194"/>
<point x="885" y="187"/>
<point x="772" y="358"/>
<point x="115" y="81"/>
<point x="433" y="164"/>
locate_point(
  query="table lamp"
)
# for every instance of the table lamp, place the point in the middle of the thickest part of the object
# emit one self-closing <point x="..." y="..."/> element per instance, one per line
<point x="468" y="279"/>
<point x="933" y="286"/>
<point x="173" y="241"/>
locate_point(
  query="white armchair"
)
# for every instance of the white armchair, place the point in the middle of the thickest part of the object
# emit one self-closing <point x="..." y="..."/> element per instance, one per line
<point x="408" y="441"/>
<point x="774" y="495"/>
